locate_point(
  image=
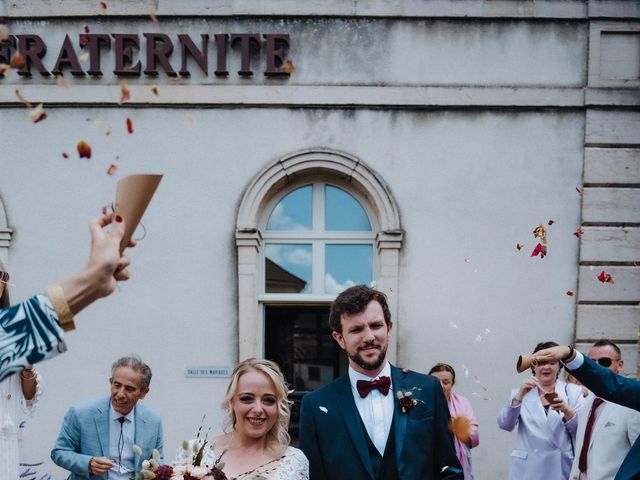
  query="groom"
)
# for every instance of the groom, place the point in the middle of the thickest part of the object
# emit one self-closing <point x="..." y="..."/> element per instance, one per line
<point x="378" y="422"/>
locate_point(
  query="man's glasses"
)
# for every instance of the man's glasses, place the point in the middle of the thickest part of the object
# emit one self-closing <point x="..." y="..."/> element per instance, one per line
<point x="4" y="276"/>
<point x="605" y="361"/>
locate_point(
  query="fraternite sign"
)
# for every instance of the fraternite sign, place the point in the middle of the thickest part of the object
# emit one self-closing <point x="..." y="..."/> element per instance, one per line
<point x="127" y="53"/>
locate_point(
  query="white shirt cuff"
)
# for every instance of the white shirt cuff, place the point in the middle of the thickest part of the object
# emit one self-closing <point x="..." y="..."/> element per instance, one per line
<point x="576" y="362"/>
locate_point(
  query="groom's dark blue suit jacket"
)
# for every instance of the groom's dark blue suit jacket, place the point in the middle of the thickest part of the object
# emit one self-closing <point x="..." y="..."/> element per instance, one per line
<point x="332" y="437"/>
<point x="617" y="389"/>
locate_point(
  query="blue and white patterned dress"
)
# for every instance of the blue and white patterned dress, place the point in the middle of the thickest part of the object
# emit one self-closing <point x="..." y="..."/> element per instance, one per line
<point x="29" y="333"/>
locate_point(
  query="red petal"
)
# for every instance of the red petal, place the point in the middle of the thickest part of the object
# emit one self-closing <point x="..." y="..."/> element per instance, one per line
<point x="65" y="155"/>
<point x="103" y="7"/>
<point x="84" y="149"/>
<point x="155" y="91"/>
<point x="578" y="233"/>
<point x="129" y="125"/>
<point x="38" y="114"/>
<point x="519" y="246"/>
<point x="570" y="293"/>
<point x="113" y="168"/>
<point x="152" y="16"/>
<point x="86" y="29"/>
<point x="536" y="250"/>
<point x="551" y="222"/>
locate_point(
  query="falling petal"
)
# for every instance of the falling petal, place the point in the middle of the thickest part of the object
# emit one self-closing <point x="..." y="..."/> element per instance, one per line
<point x="4" y="33"/>
<point x="83" y="58"/>
<point x="605" y="277"/>
<point x="155" y="90"/>
<point x="539" y="250"/>
<point x="579" y="191"/>
<point x="551" y="222"/>
<point x="519" y="246"/>
<point x="466" y="260"/>
<point x="129" y="125"/>
<point x="152" y="16"/>
<point x="17" y="61"/>
<point x="466" y="371"/>
<point x="570" y="293"/>
<point x="137" y="450"/>
<point x="23" y="100"/>
<point x="84" y="149"/>
<point x="38" y="114"/>
<point x="84" y="40"/>
<point x="65" y="155"/>
<point x="579" y="232"/>
<point x="103" y="9"/>
<point x="61" y="82"/>
<point x="288" y="67"/>
<point x="125" y="94"/>
<point x="113" y="168"/>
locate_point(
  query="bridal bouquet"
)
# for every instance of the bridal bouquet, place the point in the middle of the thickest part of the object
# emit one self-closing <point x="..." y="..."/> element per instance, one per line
<point x="152" y="470"/>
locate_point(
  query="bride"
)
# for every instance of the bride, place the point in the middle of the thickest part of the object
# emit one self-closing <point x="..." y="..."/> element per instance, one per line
<point x="256" y="443"/>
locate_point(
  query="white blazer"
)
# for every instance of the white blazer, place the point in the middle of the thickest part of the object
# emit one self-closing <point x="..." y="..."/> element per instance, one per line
<point x="614" y="432"/>
<point x="545" y="445"/>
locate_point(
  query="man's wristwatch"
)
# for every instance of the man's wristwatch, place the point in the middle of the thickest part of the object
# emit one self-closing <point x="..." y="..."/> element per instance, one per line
<point x="566" y="358"/>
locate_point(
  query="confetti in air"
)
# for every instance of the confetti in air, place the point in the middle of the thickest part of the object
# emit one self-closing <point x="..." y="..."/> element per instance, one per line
<point x="84" y="149"/>
<point x="605" y="277"/>
<point x="541" y="248"/>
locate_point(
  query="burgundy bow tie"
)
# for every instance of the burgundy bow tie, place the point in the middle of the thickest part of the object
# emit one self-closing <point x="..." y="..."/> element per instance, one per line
<point x="383" y="384"/>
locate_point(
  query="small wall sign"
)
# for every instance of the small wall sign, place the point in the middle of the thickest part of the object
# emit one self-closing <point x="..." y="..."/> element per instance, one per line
<point x="207" y="372"/>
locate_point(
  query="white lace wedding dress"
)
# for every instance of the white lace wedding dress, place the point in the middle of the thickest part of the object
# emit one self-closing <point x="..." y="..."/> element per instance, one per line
<point x="292" y="466"/>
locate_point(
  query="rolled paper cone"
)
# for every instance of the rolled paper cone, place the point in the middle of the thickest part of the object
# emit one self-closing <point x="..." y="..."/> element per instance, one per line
<point x="133" y="194"/>
<point x="525" y="362"/>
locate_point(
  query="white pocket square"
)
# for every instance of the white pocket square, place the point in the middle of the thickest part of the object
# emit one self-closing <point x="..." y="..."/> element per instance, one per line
<point x="323" y="409"/>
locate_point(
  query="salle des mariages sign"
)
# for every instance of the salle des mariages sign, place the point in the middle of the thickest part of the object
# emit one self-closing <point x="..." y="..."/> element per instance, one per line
<point x="127" y="52"/>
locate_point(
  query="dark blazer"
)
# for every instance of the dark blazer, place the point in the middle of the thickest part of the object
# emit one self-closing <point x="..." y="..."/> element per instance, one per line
<point x="332" y="438"/>
<point x="85" y="434"/>
<point x="617" y="389"/>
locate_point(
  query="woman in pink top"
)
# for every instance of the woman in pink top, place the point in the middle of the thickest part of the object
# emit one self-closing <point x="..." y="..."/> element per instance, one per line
<point x="464" y="424"/>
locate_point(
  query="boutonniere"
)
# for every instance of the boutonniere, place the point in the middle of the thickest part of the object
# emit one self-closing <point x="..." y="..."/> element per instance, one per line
<point x="405" y="397"/>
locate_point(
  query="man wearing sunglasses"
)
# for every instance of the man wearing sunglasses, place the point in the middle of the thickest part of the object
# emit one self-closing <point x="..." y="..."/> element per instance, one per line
<point x="605" y="382"/>
<point x="606" y="431"/>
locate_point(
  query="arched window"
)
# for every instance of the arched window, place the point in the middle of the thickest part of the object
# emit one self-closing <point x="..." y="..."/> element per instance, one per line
<point x="309" y="225"/>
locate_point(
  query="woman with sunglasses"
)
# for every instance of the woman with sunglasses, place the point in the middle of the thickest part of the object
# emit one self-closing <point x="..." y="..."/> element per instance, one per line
<point x="19" y="395"/>
<point x="33" y="330"/>
<point x="544" y="410"/>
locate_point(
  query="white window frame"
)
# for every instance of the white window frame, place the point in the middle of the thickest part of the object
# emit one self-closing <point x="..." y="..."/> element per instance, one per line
<point x="317" y="237"/>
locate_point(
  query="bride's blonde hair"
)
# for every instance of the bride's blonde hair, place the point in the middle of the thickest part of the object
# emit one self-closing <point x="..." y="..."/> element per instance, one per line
<point x="279" y="432"/>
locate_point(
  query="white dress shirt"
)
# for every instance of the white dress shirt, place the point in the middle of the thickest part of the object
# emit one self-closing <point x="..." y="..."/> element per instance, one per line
<point x="126" y="467"/>
<point x="376" y="409"/>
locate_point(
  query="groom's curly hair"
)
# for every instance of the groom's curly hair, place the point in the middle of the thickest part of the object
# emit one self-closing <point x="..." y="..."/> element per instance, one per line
<point x="279" y="434"/>
<point x="354" y="300"/>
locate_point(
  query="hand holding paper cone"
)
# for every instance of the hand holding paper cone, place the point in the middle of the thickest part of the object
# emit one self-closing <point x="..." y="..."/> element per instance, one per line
<point x="133" y="195"/>
<point x="525" y="362"/>
<point x="461" y="428"/>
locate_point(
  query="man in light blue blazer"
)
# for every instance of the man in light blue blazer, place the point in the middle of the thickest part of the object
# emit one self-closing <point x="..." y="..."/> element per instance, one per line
<point x="97" y="437"/>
